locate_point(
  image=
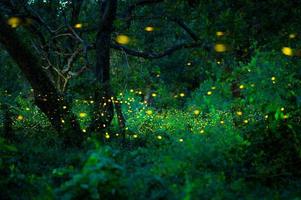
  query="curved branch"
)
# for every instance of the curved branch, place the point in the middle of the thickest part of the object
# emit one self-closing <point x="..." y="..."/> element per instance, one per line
<point x="176" y="20"/>
<point x="128" y="13"/>
<point x="154" y="55"/>
<point x="47" y="98"/>
<point x="185" y="27"/>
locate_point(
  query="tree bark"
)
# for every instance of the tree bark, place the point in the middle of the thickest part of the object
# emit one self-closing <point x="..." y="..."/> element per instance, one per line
<point x="47" y="98"/>
<point x="104" y="109"/>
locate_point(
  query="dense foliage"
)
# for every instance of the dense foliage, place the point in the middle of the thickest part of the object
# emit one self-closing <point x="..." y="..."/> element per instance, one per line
<point x="219" y="120"/>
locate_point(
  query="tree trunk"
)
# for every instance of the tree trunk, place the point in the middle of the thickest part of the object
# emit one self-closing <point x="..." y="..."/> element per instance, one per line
<point x="104" y="109"/>
<point x="47" y="98"/>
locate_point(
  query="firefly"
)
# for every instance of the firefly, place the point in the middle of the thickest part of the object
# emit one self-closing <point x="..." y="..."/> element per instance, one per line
<point x="20" y="118"/>
<point x="122" y="39"/>
<point x="78" y="25"/>
<point x="287" y="51"/>
<point x="219" y="33"/>
<point x="149" y="29"/>
<point x="196" y="112"/>
<point x="82" y="114"/>
<point x="239" y="113"/>
<point x="220" y="48"/>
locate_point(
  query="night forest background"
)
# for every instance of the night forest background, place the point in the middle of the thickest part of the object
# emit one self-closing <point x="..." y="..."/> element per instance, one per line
<point x="150" y="99"/>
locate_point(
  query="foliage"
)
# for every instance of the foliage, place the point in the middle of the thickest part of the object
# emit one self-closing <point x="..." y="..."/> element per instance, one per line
<point x="98" y="178"/>
<point x="213" y="122"/>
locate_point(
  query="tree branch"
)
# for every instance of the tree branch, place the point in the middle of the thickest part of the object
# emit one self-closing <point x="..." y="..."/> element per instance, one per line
<point x="128" y="14"/>
<point x="176" y="20"/>
<point x="47" y="98"/>
<point x="154" y="55"/>
<point x="185" y="27"/>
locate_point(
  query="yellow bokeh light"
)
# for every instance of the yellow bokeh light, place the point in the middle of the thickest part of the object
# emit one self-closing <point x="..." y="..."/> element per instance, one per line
<point x="282" y="109"/>
<point x="287" y="51"/>
<point x="149" y="112"/>
<point x="182" y="94"/>
<point x="273" y="78"/>
<point x="181" y="140"/>
<point x="196" y="112"/>
<point x="220" y="33"/>
<point x="20" y="117"/>
<point x="239" y="113"/>
<point x="154" y="94"/>
<point x="14" y="22"/>
<point x="220" y="48"/>
<point x="149" y="29"/>
<point x="246" y="121"/>
<point x="135" y="136"/>
<point x="209" y="93"/>
<point x="292" y="36"/>
<point x="241" y="87"/>
<point x="202" y="131"/>
<point x="84" y="130"/>
<point x="159" y="137"/>
<point x="78" y="25"/>
<point x="222" y="122"/>
<point x="107" y="136"/>
<point x="82" y="114"/>
<point x="122" y="39"/>
<point x="213" y="87"/>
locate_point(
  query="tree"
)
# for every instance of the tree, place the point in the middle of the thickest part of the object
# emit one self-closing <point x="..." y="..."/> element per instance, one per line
<point x="49" y="96"/>
<point x="63" y="48"/>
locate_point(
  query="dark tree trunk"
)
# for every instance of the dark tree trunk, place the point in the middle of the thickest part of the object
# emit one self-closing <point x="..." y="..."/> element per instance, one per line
<point x="47" y="98"/>
<point x="104" y="110"/>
